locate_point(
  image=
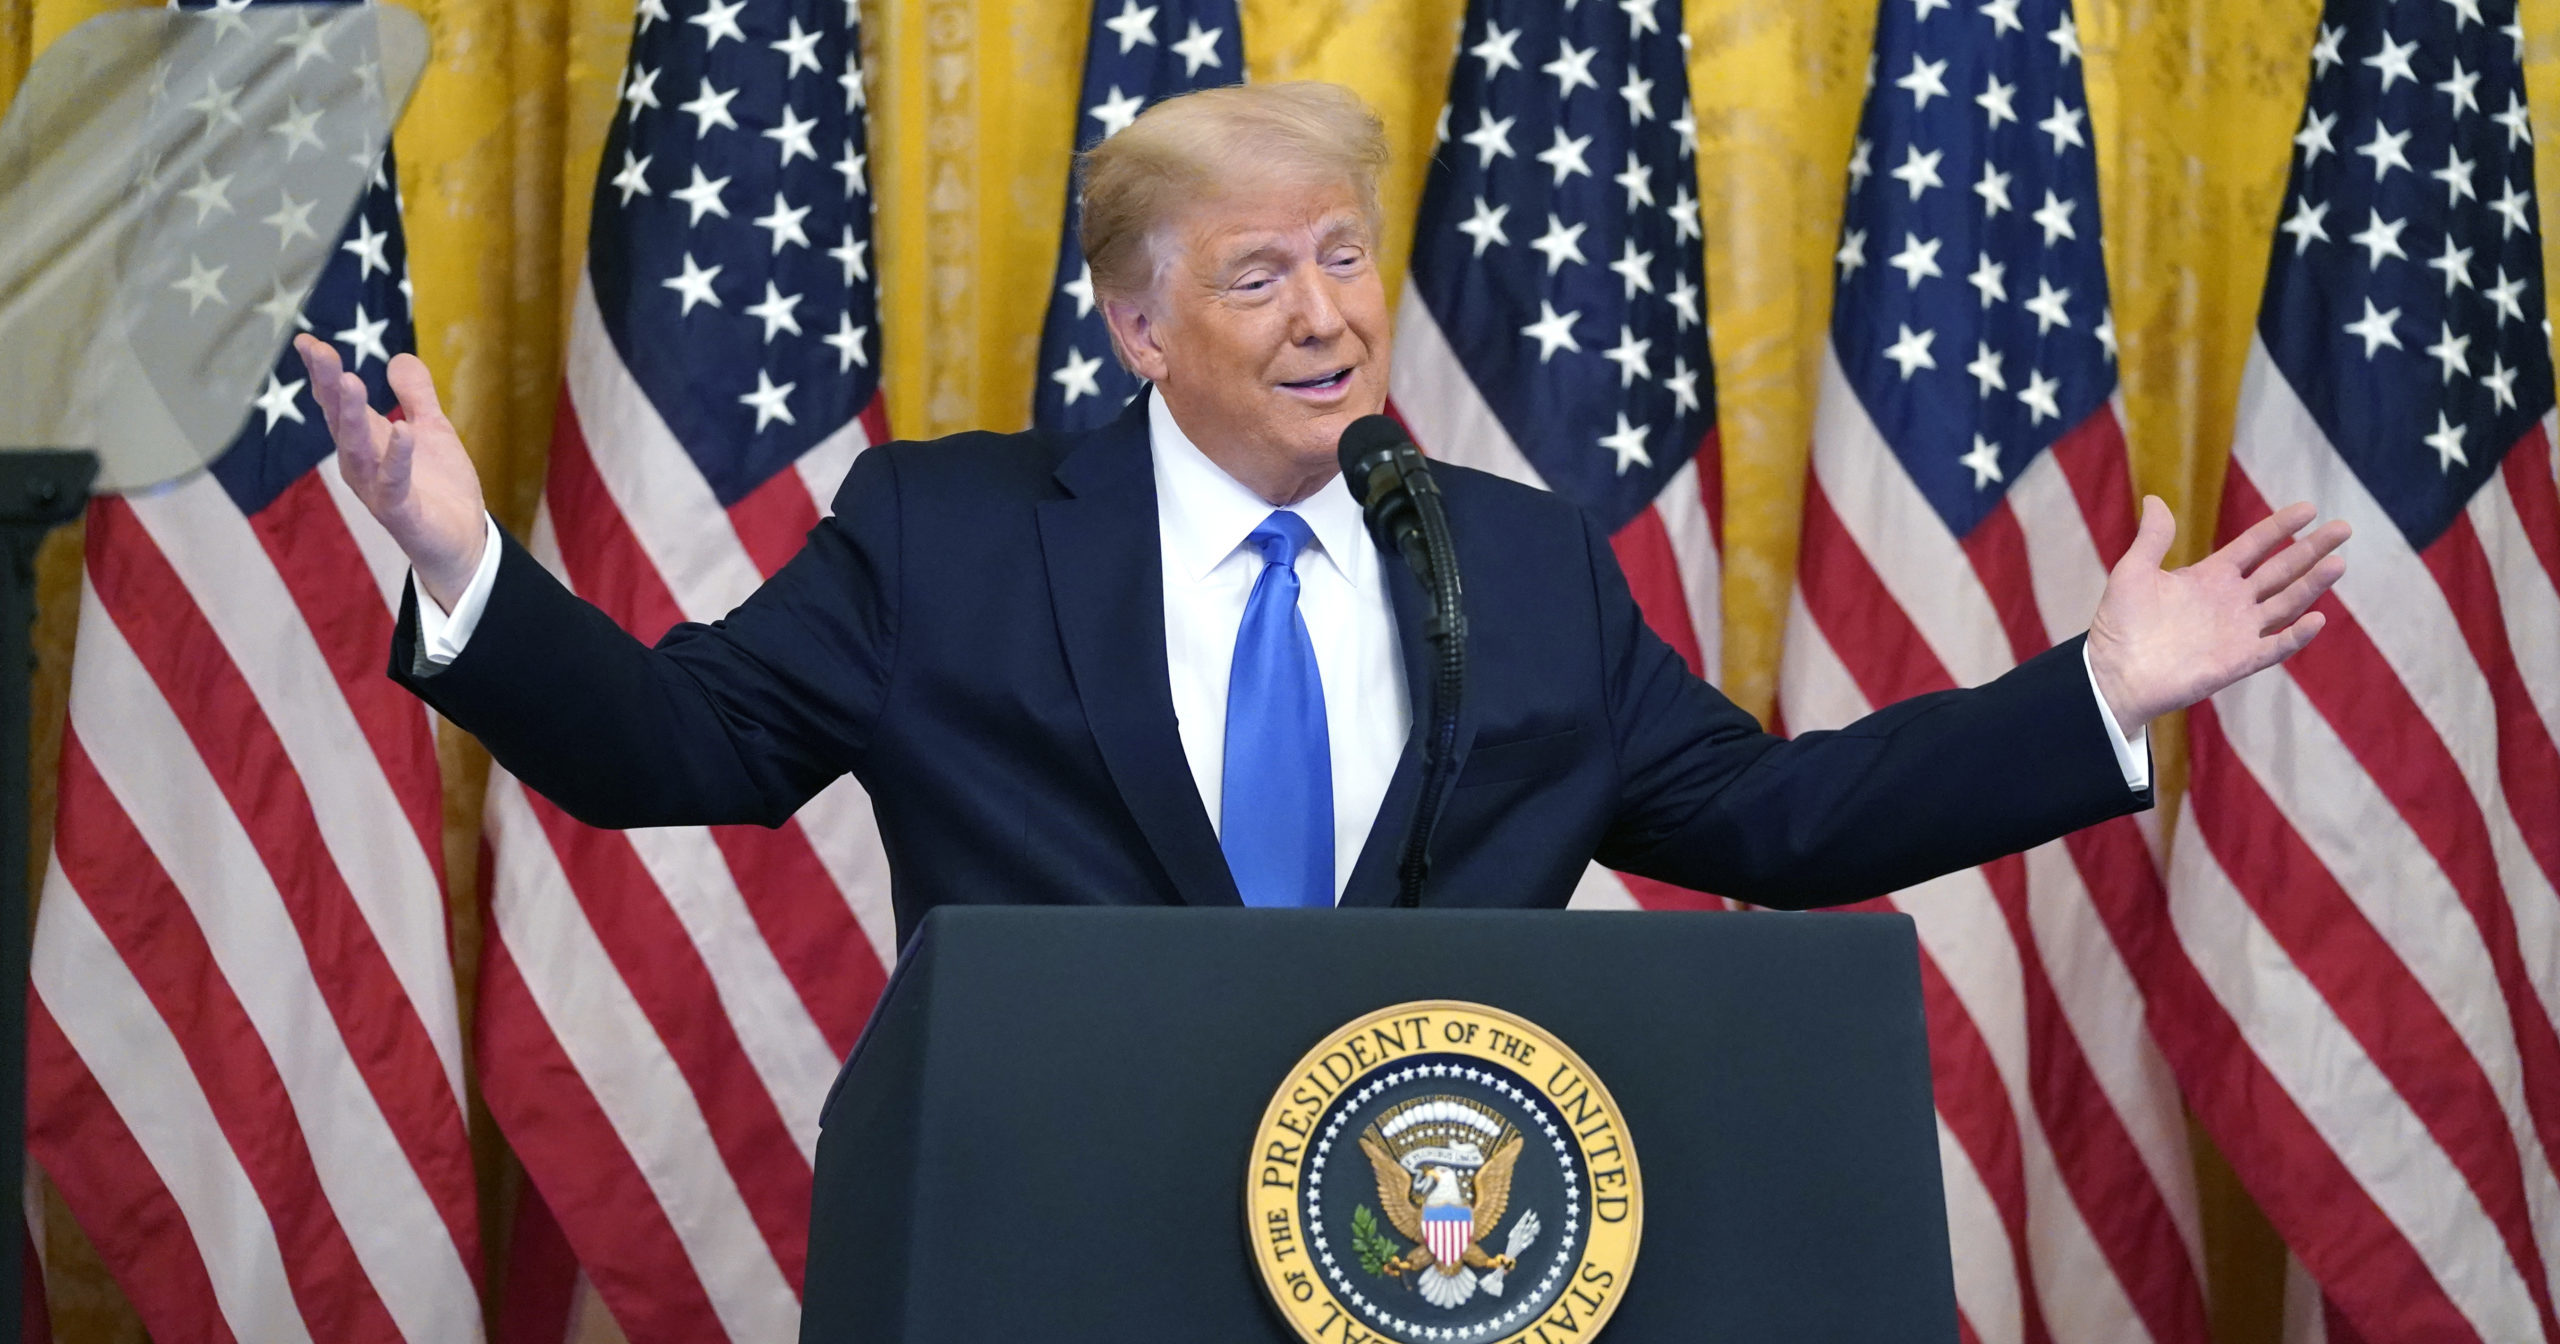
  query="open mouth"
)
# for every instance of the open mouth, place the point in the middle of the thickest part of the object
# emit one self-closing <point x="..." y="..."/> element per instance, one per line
<point x="1322" y="382"/>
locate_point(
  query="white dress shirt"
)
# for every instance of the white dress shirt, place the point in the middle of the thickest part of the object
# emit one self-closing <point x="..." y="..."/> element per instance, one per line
<point x="1203" y="516"/>
<point x="441" y="634"/>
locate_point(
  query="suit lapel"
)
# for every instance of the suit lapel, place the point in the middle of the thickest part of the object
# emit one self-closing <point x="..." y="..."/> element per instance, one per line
<point x="1106" y="583"/>
<point x="1373" y="878"/>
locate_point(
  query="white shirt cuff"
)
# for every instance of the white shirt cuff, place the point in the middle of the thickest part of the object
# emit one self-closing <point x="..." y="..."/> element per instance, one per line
<point x="441" y="633"/>
<point x="2133" y="754"/>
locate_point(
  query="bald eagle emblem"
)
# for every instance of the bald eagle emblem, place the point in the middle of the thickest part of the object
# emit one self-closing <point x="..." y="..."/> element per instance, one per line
<point x="1443" y="1166"/>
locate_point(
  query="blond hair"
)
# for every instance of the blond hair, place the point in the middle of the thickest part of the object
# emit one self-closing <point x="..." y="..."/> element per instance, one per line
<point x="1194" y="146"/>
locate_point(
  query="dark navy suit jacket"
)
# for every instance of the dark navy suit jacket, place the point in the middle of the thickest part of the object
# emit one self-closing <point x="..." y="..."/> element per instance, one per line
<point x="977" y="635"/>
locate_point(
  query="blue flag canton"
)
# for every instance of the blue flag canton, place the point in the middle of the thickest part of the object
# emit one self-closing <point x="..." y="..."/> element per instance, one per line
<point x="731" y="243"/>
<point x="1559" y="246"/>
<point x="1135" y="57"/>
<point x="361" y="303"/>
<point x="2404" y="297"/>
<point x="1971" y="313"/>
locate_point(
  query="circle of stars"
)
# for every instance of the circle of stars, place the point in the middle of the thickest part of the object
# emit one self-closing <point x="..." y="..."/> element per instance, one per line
<point x="1524" y="1308"/>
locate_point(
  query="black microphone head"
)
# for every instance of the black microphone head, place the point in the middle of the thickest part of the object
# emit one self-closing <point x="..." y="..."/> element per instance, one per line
<point x="1379" y="468"/>
<point x="1367" y="437"/>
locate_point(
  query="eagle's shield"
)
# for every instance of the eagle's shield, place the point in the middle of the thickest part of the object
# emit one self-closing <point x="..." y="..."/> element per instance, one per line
<point x="1446" y="1229"/>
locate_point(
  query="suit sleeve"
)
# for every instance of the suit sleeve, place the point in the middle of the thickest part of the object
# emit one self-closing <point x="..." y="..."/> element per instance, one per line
<point x="1920" y="788"/>
<point x="740" y="720"/>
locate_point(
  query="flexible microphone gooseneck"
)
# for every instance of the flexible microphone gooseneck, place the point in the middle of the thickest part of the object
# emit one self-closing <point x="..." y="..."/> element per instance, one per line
<point x="1392" y="480"/>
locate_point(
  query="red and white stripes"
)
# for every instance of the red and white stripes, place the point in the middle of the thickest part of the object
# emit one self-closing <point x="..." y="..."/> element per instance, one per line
<point x="663" y="1010"/>
<point x="2363" y="990"/>
<point x="245" y="1055"/>
<point x="2070" y="1197"/>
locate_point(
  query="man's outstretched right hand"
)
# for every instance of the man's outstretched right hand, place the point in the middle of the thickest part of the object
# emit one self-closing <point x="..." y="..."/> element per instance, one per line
<point x="412" y="473"/>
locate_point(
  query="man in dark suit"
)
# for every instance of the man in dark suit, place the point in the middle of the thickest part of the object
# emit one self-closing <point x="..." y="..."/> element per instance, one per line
<point x="1159" y="663"/>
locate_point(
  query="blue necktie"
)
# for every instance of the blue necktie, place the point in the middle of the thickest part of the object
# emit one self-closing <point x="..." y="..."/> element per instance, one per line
<point x="1276" y="804"/>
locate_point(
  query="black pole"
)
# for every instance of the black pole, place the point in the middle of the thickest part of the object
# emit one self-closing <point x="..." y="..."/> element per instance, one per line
<point x="40" y="489"/>
<point x="1401" y="504"/>
<point x="1448" y="634"/>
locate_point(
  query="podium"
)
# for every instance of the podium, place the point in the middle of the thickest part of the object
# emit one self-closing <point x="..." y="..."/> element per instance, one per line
<point x="1046" y="1130"/>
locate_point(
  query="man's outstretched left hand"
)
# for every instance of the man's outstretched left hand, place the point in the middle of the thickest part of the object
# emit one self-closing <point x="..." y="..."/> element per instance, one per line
<point x="2164" y="639"/>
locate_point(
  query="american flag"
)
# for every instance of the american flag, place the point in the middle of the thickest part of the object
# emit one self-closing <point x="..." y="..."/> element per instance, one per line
<point x="245" y="1059"/>
<point x="1969" y="491"/>
<point x="1553" y="327"/>
<point x="1133" y="59"/>
<point x="662" y="1011"/>
<point x="2359" y="982"/>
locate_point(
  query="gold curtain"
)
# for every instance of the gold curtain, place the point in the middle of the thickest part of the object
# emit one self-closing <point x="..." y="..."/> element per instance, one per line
<point x="2193" y="103"/>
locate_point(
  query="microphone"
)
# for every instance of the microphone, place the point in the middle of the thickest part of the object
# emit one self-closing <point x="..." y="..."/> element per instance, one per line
<point x="1402" y="504"/>
<point x="1386" y="473"/>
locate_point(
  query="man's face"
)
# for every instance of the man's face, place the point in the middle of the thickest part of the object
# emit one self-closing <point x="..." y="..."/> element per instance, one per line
<point x="1266" y="332"/>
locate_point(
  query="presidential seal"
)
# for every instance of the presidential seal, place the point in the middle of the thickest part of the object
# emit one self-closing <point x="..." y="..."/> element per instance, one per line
<point x="1443" y="1173"/>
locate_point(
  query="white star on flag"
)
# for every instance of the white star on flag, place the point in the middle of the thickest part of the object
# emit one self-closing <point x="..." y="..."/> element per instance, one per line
<point x="1077" y="376"/>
